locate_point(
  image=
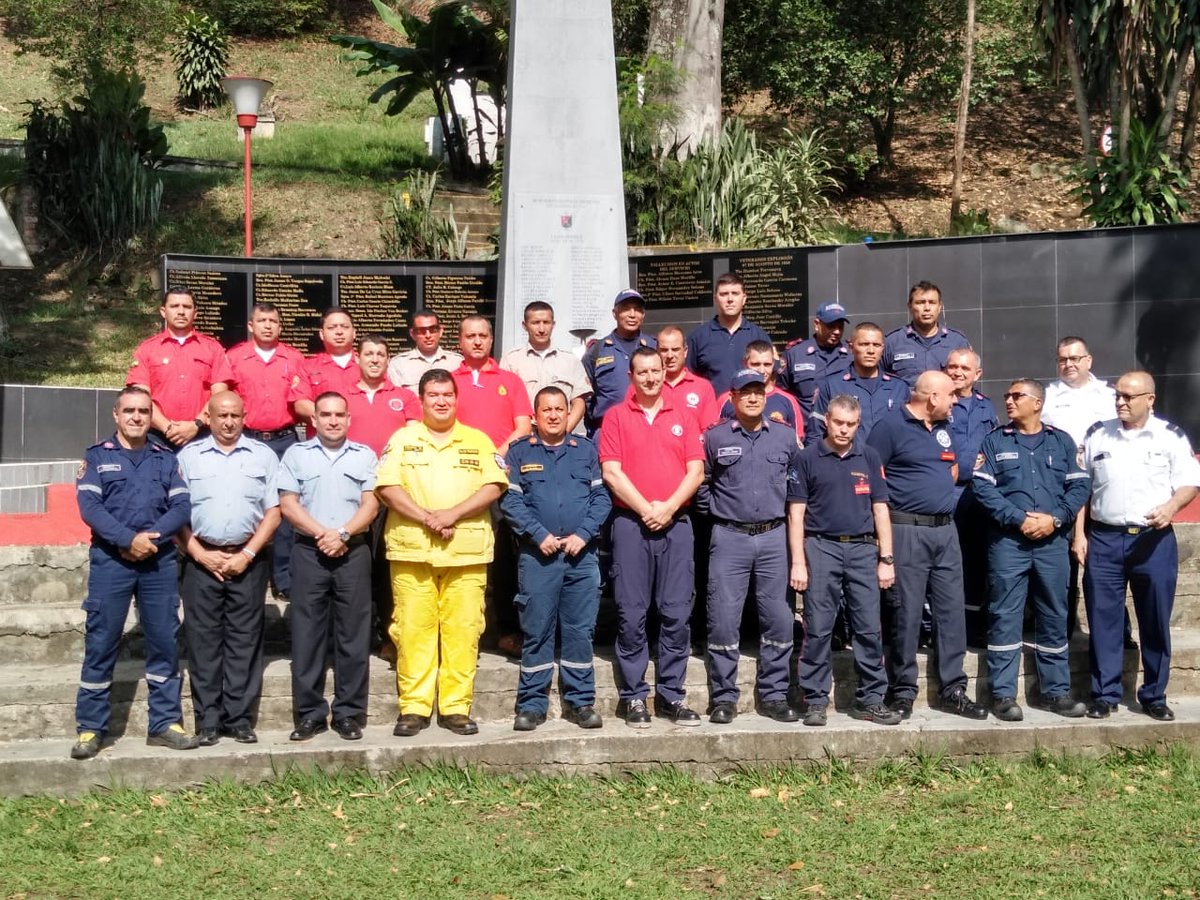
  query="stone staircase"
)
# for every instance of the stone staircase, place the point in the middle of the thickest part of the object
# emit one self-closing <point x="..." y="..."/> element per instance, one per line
<point x="41" y="639"/>
<point x="474" y="210"/>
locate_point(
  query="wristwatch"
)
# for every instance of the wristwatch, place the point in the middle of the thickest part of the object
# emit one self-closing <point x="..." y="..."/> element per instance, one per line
<point x="343" y="535"/>
<point x="888" y="560"/>
<point x="1057" y="522"/>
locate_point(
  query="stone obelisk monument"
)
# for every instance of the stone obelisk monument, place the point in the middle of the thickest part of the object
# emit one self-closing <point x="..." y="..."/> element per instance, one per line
<point x="563" y="238"/>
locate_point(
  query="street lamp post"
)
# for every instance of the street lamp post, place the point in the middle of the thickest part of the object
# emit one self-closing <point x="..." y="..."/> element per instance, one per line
<point x="246" y="94"/>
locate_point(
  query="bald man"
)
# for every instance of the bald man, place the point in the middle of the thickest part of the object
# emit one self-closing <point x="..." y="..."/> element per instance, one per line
<point x="914" y="444"/>
<point x="235" y="511"/>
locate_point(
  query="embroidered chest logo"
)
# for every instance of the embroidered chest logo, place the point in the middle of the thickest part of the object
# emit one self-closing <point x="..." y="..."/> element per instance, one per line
<point x="677" y="430"/>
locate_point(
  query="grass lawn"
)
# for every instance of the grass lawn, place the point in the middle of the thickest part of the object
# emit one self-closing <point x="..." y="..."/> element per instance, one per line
<point x="1123" y="826"/>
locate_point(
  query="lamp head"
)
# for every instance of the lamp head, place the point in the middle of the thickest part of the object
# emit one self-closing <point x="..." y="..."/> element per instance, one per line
<point x="246" y="94"/>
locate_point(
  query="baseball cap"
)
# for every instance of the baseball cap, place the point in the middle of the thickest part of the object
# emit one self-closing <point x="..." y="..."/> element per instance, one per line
<point x="747" y="377"/>
<point x="629" y="294"/>
<point x="832" y="312"/>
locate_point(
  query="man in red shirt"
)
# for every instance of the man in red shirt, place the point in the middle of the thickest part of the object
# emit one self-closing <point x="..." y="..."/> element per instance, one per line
<point x="181" y="369"/>
<point x="334" y="369"/>
<point x="489" y="398"/>
<point x="266" y="370"/>
<point x="378" y="409"/>
<point x="686" y="389"/>
<point x="496" y="402"/>
<point x="652" y="460"/>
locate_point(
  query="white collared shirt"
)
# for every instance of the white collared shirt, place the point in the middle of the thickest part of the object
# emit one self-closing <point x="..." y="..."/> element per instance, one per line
<point x="1133" y="470"/>
<point x="1075" y="410"/>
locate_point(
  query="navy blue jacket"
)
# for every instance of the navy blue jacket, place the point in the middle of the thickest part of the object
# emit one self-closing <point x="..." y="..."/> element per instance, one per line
<point x="122" y="492"/>
<point x="749" y="476"/>
<point x="906" y="354"/>
<point x="806" y="365"/>
<point x="877" y="396"/>
<point x="557" y="492"/>
<point x="1012" y="479"/>
<point x="971" y="420"/>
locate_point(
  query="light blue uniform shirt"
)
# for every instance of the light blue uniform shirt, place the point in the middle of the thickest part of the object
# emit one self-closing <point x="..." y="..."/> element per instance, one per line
<point x="231" y="492"/>
<point x="330" y="489"/>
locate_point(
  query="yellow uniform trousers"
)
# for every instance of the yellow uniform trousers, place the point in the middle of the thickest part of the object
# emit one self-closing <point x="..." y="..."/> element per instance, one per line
<point x="436" y="624"/>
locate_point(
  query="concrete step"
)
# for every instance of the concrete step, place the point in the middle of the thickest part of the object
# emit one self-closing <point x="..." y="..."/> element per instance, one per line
<point x="39" y="701"/>
<point x="558" y="748"/>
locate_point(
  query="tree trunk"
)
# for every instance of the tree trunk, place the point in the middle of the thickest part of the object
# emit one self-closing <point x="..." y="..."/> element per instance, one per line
<point x="688" y="32"/>
<point x="1188" y="138"/>
<point x="964" y="106"/>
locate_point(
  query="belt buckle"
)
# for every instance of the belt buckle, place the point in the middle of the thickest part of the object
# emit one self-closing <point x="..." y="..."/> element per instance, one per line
<point x="843" y="538"/>
<point x="1133" y="529"/>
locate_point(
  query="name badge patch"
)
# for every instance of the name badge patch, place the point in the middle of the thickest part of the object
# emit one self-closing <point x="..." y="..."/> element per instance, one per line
<point x="1000" y="457"/>
<point x="804" y="367"/>
<point x="900" y="356"/>
<point x="532" y="467"/>
<point x="109" y="467"/>
<point x="729" y="452"/>
<point x="604" y="360"/>
<point x="862" y="488"/>
<point x="947" y="456"/>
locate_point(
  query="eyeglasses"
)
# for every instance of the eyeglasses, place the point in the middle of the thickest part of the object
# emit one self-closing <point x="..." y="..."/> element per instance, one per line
<point x="1129" y="398"/>
<point x="1014" y="396"/>
<point x="1073" y="360"/>
<point x="426" y="329"/>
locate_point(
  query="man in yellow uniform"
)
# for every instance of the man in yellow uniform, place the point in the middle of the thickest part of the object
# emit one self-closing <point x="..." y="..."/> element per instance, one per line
<point x="438" y="477"/>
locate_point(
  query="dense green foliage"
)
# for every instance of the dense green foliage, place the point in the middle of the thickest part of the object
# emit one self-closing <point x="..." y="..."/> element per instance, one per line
<point x="84" y="38"/>
<point x="852" y="66"/>
<point x="201" y="55"/>
<point x="266" y="18"/>
<point x="1143" y="188"/>
<point x="92" y="163"/>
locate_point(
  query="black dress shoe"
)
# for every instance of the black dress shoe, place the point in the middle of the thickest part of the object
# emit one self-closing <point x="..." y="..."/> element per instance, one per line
<point x="243" y="734"/>
<point x="583" y="716"/>
<point x="779" y="710"/>
<point x="1100" y="709"/>
<point x="410" y="725"/>
<point x="904" y="706"/>
<point x="723" y="713"/>
<point x="348" y="728"/>
<point x="527" y="720"/>
<point x="1063" y="706"/>
<point x="1159" y="711"/>
<point x="207" y="737"/>
<point x="308" y="729"/>
<point x="960" y="704"/>
<point x="458" y="724"/>
<point x="676" y="712"/>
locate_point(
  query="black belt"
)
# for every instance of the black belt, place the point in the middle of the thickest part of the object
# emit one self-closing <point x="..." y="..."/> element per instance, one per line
<point x="270" y="435"/>
<point x="750" y="527"/>
<point x="1123" y="529"/>
<point x="355" y="540"/>
<point x="224" y="548"/>
<point x="847" y="538"/>
<point x="934" y="521"/>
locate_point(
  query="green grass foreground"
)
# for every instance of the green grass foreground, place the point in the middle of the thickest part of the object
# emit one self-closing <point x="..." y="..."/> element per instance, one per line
<point x="1125" y="825"/>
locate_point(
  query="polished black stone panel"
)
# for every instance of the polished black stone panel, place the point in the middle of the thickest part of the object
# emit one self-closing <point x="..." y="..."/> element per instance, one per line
<point x="1018" y="271"/>
<point x="1095" y="267"/>
<point x="954" y="266"/>
<point x="1018" y="343"/>
<point x="873" y="278"/>
<point x="1167" y="263"/>
<point x="59" y="422"/>
<point x="12" y="430"/>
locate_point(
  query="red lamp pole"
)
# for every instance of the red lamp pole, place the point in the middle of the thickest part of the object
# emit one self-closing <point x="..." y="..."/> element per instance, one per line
<point x="247" y="95"/>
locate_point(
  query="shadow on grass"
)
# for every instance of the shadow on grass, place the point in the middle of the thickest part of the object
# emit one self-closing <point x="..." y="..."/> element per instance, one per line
<point x="74" y="318"/>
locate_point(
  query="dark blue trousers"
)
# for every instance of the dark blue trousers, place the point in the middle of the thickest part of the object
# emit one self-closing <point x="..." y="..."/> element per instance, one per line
<point x="1149" y="564"/>
<point x="1014" y="565"/>
<point x="837" y="570"/>
<point x="285" y="536"/>
<point x="928" y="565"/>
<point x="558" y="595"/>
<point x="112" y="582"/>
<point x="734" y="557"/>
<point x="652" y="567"/>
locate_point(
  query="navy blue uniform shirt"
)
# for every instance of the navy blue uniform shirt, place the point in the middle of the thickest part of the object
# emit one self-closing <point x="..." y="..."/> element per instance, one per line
<point x="839" y="490"/>
<point x="877" y="396"/>
<point x="917" y="461"/>
<point x="806" y="365"/>
<point x="971" y="420"/>
<point x="716" y="354"/>
<point x="1016" y="474"/>
<point x="906" y="354"/>
<point x="606" y="362"/>
<point x="554" y="491"/>
<point x="749" y="475"/>
<point x="122" y="492"/>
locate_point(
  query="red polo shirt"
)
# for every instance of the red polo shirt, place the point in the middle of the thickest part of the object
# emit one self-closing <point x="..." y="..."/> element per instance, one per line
<point x="322" y="374"/>
<point x="694" y="394"/>
<point x="374" y="419"/>
<point x="653" y="454"/>
<point x="265" y="386"/>
<point x="180" y="375"/>
<point x="493" y="403"/>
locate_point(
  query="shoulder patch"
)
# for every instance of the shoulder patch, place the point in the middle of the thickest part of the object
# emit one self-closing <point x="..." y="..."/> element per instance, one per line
<point x="501" y="462"/>
<point x="980" y="460"/>
<point x="81" y="470"/>
<point x="1175" y="429"/>
<point x="1096" y="426"/>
